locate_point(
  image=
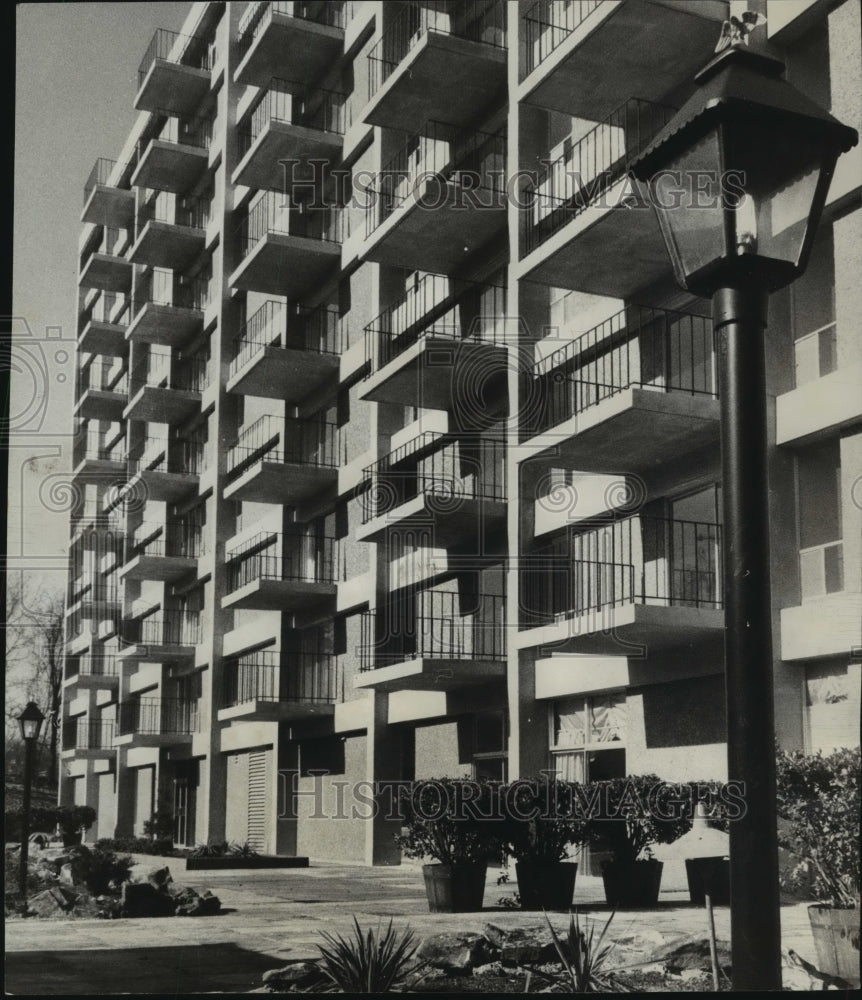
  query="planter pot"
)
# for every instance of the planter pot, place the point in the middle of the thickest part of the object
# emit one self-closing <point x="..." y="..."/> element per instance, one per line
<point x="632" y="883"/>
<point x="455" y="888"/>
<point x="836" y="939"/>
<point x="72" y="839"/>
<point x="709" y="875"/>
<point x="546" y="885"/>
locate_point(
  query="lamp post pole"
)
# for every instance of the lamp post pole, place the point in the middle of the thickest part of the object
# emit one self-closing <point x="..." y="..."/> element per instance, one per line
<point x="25" y="817"/>
<point x="739" y="321"/>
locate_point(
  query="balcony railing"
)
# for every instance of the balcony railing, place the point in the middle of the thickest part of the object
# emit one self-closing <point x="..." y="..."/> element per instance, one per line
<point x="93" y="665"/>
<point x="103" y="308"/>
<point x="166" y="628"/>
<point x="258" y="16"/>
<point x="102" y="376"/>
<point x="193" y="213"/>
<point x="162" y="369"/>
<point x="91" y="445"/>
<point x="444" y="152"/>
<point x="482" y="21"/>
<point x="821" y="569"/>
<point x="319" y="331"/>
<point x="171" y="46"/>
<point x="173" y="538"/>
<point x="187" y="131"/>
<point x="440" y="466"/>
<point x="323" y="111"/>
<point x="306" y="678"/>
<point x="590" y="167"/>
<point x="302" y="558"/>
<point x="99" y="176"/>
<point x="816" y="354"/>
<point x="176" y="455"/>
<point x="84" y="734"/>
<point x="549" y="23"/>
<point x="638" y="347"/>
<point x="437" y="625"/>
<point x="436" y="306"/>
<point x="158" y="717"/>
<point x="637" y="560"/>
<point x="162" y="287"/>
<point x="287" y="440"/>
<point x="273" y="216"/>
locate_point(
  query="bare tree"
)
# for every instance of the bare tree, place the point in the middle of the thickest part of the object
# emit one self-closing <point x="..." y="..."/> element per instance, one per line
<point x="34" y="662"/>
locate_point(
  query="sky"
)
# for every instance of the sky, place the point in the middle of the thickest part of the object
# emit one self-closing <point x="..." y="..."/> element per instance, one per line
<point x="76" y="75"/>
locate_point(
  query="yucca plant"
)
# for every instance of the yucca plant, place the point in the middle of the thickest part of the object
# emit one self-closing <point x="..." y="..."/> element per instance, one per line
<point x="369" y="963"/>
<point x="584" y="959"/>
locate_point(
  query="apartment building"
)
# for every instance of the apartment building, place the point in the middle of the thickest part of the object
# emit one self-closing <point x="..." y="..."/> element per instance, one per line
<point x="398" y="447"/>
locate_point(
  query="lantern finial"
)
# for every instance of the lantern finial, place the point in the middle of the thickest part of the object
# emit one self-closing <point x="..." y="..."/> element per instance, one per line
<point x="736" y="30"/>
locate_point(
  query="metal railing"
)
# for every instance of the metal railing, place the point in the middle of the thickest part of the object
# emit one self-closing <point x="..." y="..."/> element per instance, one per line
<point x="171" y="46"/>
<point x="177" y="455"/>
<point x="302" y="558"/>
<point x="481" y="21"/>
<point x="549" y="23"/>
<point x="434" y="624"/>
<point x="258" y="17"/>
<point x="163" y="287"/>
<point x="105" y="240"/>
<point x="160" y="368"/>
<point x="590" y="167"/>
<point x="306" y="678"/>
<point x="98" y="665"/>
<point x="287" y="440"/>
<point x="103" y="309"/>
<point x="638" y="347"/>
<point x="436" y="465"/>
<point x="165" y="628"/>
<point x="436" y="306"/>
<point x="181" y="538"/>
<point x="193" y="213"/>
<point x="86" y="734"/>
<point x="102" y="375"/>
<point x="816" y="354"/>
<point x="821" y="569"/>
<point x="444" y="152"/>
<point x="321" y="110"/>
<point x="319" y="331"/>
<point x="157" y="717"/>
<point x="90" y="444"/>
<point x="99" y="175"/>
<point x="637" y="560"/>
<point x="272" y="215"/>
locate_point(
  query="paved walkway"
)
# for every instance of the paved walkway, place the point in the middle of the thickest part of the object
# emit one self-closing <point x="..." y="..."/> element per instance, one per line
<point x="278" y="914"/>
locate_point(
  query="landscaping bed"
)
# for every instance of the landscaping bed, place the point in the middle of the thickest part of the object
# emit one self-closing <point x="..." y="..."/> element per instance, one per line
<point x="239" y="861"/>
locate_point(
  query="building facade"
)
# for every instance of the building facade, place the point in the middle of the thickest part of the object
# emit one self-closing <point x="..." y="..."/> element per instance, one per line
<point x="397" y="448"/>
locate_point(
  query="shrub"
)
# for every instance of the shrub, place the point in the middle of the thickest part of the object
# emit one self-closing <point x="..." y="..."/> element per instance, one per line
<point x="819" y="798"/>
<point x="583" y="958"/>
<point x="99" y="867"/>
<point x="215" y="850"/>
<point x="137" y="845"/>
<point x="70" y="819"/>
<point x="541" y="820"/>
<point x="370" y="963"/>
<point x="160" y="826"/>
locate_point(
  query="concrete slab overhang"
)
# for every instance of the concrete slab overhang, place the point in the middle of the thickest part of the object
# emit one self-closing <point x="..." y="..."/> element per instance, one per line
<point x="101" y="404"/>
<point x="107" y="272"/>
<point x="168" y="325"/>
<point x="619" y="49"/>
<point x="449" y="519"/>
<point x="634" y="430"/>
<point x="149" y="652"/>
<point x="89" y="753"/>
<point x="276" y="711"/>
<point x="262" y="168"/>
<point x="174" y="87"/>
<point x="99" y="470"/>
<point x="830" y="625"/>
<point x="163" y="568"/>
<point x="433" y="674"/>
<point x="283" y="373"/>
<point x="437" y="225"/>
<point x="280" y="595"/>
<point x="164" y="244"/>
<point x="280" y="482"/>
<point x="158" y="404"/>
<point x="103" y="338"/>
<point x="281" y="264"/>
<point x="819" y="407"/>
<point x="474" y="73"/>
<point x="290" y="47"/>
<point x="127" y="740"/>
<point x="433" y="371"/>
<point x="607" y="249"/>
<point x="109" y="206"/>
<point x="163" y="486"/>
<point x="93" y="682"/>
<point x="170" y="166"/>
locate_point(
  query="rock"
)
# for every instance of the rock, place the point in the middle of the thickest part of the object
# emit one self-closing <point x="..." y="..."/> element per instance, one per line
<point x="456" y="952"/>
<point x="140" y="899"/>
<point x="52" y="901"/>
<point x="297" y="974"/>
<point x="189" y="903"/>
<point x="159" y="876"/>
<point x="490" y="969"/>
<point x="797" y="974"/>
<point x="522" y="944"/>
<point x="67" y="875"/>
<point x="692" y="954"/>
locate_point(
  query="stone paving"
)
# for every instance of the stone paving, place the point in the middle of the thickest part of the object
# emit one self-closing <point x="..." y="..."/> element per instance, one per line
<point x="278" y="914"/>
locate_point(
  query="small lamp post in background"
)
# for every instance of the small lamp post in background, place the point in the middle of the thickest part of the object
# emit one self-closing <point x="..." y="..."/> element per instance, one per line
<point x="30" y="722"/>
<point x="738" y="180"/>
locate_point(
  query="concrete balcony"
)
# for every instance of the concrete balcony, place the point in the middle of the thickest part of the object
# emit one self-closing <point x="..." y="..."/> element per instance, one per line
<point x="170" y="236"/>
<point x="441" y="197"/>
<point x="166" y="552"/>
<point x="586" y="58"/>
<point x="279" y="38"/>
<point x="106" y="271"/>
<point x="434" y="640"/>
<point x="166" y="388"/>
<point x="286" y="355"/>
<point x="454" y="488"/>
<point x="635" y="584"/>
<point x="155" y="722"/>
<point x="100" y="671"/>
<point x="167" y="309"/>
<point x="174" y="159"/>
<point x="285" y="132"/>
<point x="174" y="74"/>
<point x="466" y="47"/>
<point x="284" y="461"/>
<point x="275" y="687"/>
<point x="283" y="573"/>
<point x="442" y="332"/>
<point x="97" y="459"/>
<point x="164" y="469"/>
<point x="105" y="202"/>
<point x="638" y="389"/>
<point x="102" y="392"/>
<point x="100" y="337"/>
<point x="286" y="251"/>
<point x="163" y="637"/>
<point x="87" y="739"/>
<point x="586" y="217"/>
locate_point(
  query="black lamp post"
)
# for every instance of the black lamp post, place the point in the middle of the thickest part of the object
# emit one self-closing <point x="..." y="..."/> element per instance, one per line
<point x="30" y="722"/>
<point x="738" y="180"/>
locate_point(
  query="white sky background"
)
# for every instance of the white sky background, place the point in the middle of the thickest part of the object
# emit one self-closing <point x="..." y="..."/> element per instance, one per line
<point x="76" y="76"/>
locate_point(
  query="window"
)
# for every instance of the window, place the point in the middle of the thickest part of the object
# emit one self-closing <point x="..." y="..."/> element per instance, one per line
<point x="490" y="757"/>
<point x="813" y="313"/>
<point x="588" y="736"/>
<point x="832" y="695"/>
<point x="821" y="549"/>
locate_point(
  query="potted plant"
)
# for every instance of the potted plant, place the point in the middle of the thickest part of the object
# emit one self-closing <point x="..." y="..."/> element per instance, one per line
<point x="626" y="818"/>
<point x="73" y="821"/>
<point x="818" y="806"/>
<point x="541" y="829"/>
<point x="440" y="825"/>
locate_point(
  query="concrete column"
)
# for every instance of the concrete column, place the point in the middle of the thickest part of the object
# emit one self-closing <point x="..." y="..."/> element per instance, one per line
<point x="286" y="755"/>
<point x="382" y="764"/>
<point x="125" y="797"/>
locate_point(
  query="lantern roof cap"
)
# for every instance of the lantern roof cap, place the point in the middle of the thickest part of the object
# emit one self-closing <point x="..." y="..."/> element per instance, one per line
<point x="738" y="84"/>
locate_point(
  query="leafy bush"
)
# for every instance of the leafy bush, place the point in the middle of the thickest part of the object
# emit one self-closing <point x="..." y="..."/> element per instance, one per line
<point x="542" y="820"/>
<point x="818" y="797"/>
<point x="72" y="819"/>
<point x="370" y="963"/>
<point x="137" y="845"/>
<point x="160" y="826"/>
<point x="244" y="850"/>
<point x="213" y="850"/>
<point x="99" y="867"/>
